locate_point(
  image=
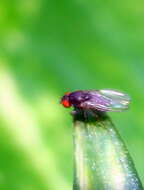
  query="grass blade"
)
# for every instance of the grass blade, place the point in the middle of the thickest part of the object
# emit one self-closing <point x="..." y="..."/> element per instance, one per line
<point x="101" y="159"/>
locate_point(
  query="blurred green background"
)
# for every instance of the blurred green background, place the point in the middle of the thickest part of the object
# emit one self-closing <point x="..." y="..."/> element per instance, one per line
<point x="47" y="48"/>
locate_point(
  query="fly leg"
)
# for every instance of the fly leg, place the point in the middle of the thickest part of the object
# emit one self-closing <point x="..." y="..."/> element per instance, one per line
<point x="78" y="114"/>
<point x="85" y="114"/>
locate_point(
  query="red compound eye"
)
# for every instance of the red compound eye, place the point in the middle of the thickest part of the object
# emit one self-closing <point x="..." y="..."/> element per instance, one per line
<point x="65" y="103"/>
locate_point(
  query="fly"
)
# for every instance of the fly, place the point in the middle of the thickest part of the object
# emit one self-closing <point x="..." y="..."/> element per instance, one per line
<point x="100" y="100"/>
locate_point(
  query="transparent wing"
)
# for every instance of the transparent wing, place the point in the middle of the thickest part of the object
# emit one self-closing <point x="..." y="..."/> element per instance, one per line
<point x="107" y="100"/>
<point x="118" y="101"/>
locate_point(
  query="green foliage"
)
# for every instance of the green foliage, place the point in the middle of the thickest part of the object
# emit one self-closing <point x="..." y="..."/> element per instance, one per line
<point x="47" y="48"/>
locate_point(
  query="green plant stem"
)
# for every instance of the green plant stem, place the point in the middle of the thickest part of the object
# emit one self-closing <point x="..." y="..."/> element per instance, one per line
<point x="101" y="160"/>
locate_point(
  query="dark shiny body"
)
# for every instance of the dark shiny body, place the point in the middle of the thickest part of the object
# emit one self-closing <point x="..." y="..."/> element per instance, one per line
<point x="77" y="98"/>
<point x="88" y="100"/>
